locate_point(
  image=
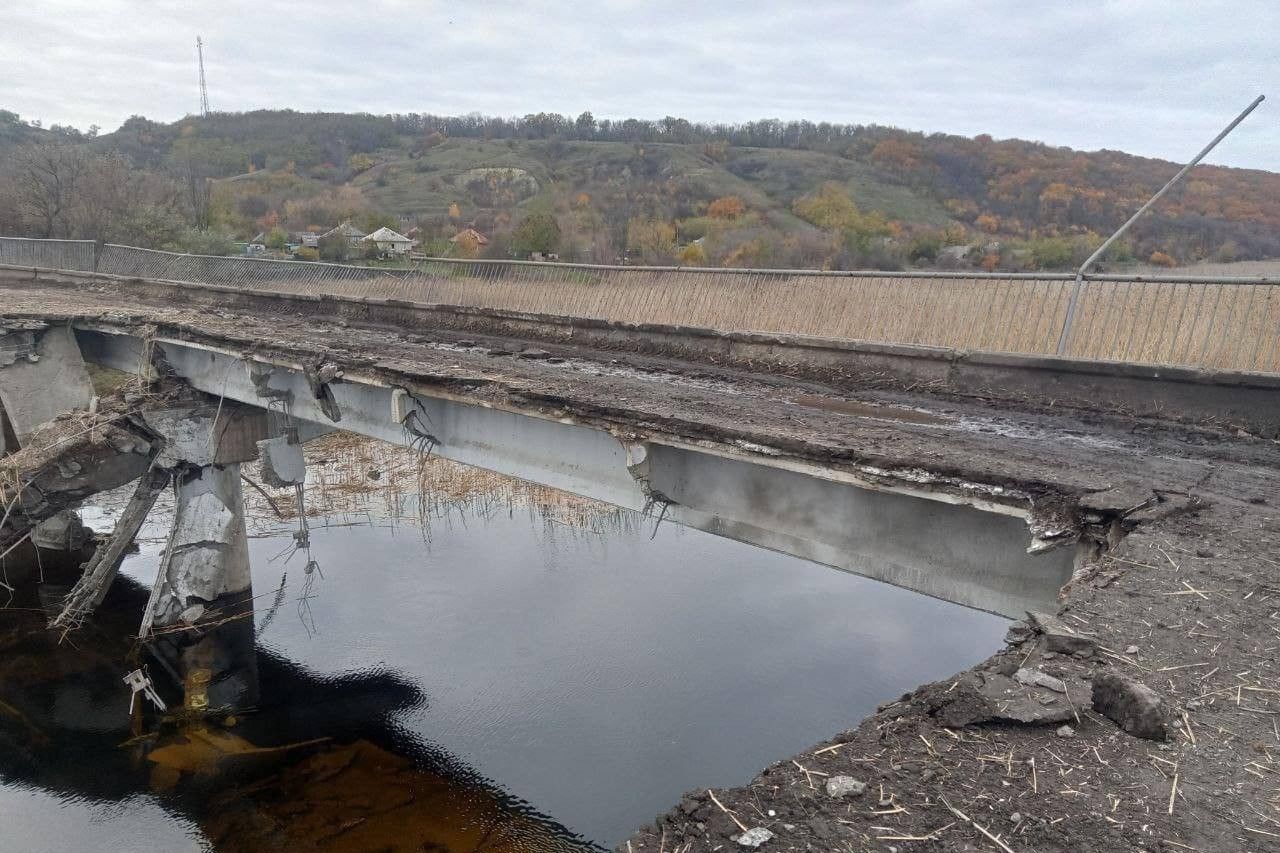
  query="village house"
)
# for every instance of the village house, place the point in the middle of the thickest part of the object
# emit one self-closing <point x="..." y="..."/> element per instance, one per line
<point x="390" y="242"/>
<point x="353" y="234"/>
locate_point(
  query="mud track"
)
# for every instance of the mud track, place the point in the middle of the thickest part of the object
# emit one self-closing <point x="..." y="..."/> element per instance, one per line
<point x="1185" y="601"/>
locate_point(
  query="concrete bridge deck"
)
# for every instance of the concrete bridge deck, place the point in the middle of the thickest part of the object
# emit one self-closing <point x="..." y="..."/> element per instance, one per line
<point x="1197" y="558"/>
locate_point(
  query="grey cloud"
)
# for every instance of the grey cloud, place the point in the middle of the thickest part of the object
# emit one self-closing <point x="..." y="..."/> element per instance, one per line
<point x="1154" y="78"/>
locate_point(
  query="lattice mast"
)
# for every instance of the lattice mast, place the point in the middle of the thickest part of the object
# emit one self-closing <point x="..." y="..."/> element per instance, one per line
<point x="204" y="90"/>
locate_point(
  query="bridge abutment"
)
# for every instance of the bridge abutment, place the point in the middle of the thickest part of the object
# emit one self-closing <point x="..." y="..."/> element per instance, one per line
<point x="42" y="375"/>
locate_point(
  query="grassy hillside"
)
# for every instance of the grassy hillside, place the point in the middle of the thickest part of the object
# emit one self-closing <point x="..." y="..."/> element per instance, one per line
<point x="762" y="193"/>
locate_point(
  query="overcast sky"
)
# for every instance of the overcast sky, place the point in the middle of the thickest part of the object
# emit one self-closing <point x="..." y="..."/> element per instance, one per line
<point x="1154" y="77"/>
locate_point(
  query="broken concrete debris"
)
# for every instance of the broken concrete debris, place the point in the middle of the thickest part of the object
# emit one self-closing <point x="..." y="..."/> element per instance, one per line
<point x="845" y="786"/>
<point x="1133" y="706"/>
<point x="318" y="380"/>
<point x="987" y="696"/>
<point x="1058" y="636"/>
<point x="62" y="532"/>
<point x="282" y="462"/>
<point x="1036" y="678"/>
<point x="754" y="837"/>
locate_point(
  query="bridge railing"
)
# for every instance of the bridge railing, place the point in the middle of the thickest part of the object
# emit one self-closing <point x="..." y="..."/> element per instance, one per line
<point x="77" y="255"/>
<point x="1225" y="323"/>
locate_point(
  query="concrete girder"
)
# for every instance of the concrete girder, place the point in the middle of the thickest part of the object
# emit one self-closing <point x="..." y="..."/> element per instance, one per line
<point x="969" y="550"/>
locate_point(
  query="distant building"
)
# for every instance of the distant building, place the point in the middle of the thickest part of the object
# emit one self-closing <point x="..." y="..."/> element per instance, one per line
<point x="353" y="234"/>
<point x="310" y="239"/>
<point x="390" y="242"/>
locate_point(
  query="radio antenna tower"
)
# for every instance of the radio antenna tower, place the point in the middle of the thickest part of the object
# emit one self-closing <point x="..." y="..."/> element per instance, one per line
<point x="204" y="90"/>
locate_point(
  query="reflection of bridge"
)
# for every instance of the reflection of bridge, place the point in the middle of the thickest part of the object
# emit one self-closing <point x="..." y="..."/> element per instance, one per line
<point x="330" y="748"/>
<point x="937" y="500"/>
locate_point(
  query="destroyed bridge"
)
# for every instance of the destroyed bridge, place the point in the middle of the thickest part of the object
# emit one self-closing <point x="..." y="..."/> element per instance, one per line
<point x="962" y="435"/>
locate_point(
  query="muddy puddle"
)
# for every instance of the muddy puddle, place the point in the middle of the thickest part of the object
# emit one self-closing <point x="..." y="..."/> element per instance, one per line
<point x="478" y="664"/>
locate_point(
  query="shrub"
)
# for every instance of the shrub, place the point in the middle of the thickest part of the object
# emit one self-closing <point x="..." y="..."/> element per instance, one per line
<point x="205" y="242"/>
<point x="306" y="253"/>
<point x="924" y="247"/>
<point x="1160" y="259"/>
<point x="693" y="255"/>
<point x="726" y="207"/>
<point x="1051" y="253"/>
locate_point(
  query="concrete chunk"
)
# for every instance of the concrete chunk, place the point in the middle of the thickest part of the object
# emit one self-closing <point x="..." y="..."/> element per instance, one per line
<point x="754" y="837"/>
<point x="1059" y="638"/>
<point x="61" y="532"/>
<point x="1036" y="678"/>
<point x="1133" y="706"/>
<point x="845" y="786"/>
<point x="282" y="462"/>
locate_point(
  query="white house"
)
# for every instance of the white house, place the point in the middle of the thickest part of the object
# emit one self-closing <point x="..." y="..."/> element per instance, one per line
<point x="390" y="241"/>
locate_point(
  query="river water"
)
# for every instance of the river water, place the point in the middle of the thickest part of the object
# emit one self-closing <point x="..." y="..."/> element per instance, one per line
<point x="477" y="664"/>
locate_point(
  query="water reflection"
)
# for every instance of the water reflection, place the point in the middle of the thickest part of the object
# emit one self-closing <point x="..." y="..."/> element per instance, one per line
<point x="320" y="764"/>
<point x="484" y="653"/>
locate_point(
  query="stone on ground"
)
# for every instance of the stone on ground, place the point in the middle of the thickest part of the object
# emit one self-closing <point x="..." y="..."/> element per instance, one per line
<point x="754" y="837"/>
<point x="1133" y="706"/>
<point x="844" y="786"/>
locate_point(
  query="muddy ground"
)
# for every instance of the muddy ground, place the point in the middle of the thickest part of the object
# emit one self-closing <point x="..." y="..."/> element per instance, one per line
<point x="1186" y="600"/>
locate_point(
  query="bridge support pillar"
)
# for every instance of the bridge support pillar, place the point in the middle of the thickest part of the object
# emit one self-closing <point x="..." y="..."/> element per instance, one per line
<point x="42" y="375"/>
<point x="199" y="619"/>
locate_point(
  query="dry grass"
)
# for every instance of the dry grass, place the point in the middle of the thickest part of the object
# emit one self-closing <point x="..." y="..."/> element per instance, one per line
<point x="349" y="475"/>
<point x="1222" y="326"/>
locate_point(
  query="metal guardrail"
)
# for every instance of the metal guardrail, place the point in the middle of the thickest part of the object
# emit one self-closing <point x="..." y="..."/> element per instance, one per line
<point x="1225" y="323"/>
<point x="78" y="255"/>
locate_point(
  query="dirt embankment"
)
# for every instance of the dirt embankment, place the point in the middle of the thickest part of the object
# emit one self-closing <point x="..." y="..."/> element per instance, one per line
<point x="1016" y="755"/>
<point x="1185" y="608"/>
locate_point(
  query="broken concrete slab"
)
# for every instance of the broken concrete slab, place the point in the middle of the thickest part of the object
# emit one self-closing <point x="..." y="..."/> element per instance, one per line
<point x="61" y="532"/>
<point x="1059" y="637"/>
<point x="64" y="463"/>
<point x="1037" y="678"/>
<point x="208" y="434"/>
<point x="1133" y="706"/>
<point x="987" y="696"/>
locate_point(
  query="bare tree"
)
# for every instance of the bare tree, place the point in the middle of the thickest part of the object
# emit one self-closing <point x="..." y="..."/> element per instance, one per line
<point x="49" y="176"/>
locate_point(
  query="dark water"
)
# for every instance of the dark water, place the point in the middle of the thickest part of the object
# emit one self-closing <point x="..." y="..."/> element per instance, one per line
<point x="500" y="675"/>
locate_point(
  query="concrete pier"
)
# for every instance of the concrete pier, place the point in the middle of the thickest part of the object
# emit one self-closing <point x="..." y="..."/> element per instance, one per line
<point x="199" y="618"/>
